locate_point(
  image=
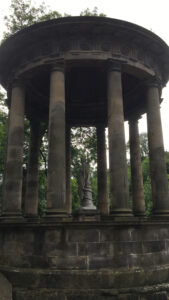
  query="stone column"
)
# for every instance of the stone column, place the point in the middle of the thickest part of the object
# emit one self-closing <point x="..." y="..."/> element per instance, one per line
<point x="12" y="190"/>
<point x="103" y="205"/>
<point x="31" y="197"/>
<point x="68" y="171"/>
<point x="56" y="189"/>
<point x="158" y="173"/>
<point x="136" y="168"/>
<point x="119" y="194"/>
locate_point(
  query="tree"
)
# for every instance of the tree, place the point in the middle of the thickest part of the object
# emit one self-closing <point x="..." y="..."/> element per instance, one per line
<point x="94" y="12"/>
<point x="144" y="145"/>
<point x="23" y="14"/>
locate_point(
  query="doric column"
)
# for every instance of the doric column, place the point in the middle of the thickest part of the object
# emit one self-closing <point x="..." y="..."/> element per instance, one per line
<point x="31" y="197"/>
<point x="12" y="190"/>
<point x="68" y="171"/>
<point x="158" y="173"/>
<point x="56" y="189"/>
<point x="103" y="205"/>
<point x="136" y="168"/>
<point x="119" y="194"/>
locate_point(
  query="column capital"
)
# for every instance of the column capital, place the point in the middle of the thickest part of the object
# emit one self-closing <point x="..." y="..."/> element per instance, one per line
<point x="18" y="82"/>
<point x="58" y="66"/>
<point x="134" y="118"/>
<point x="34" y="123"/>
<point x="153" y="82"/>
<point x="100" y="126"/>
<point x="114" y="65"/>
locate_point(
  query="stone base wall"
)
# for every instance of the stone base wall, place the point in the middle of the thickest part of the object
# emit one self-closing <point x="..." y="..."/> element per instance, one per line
<point x="125" y="259"/>
<point x="51" y="294"/>
<point x="74" y="285"/>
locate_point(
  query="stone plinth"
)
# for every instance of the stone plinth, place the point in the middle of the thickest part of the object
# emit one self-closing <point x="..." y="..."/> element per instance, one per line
<point x="93" y="259"/>
<point x="5" y="288"/>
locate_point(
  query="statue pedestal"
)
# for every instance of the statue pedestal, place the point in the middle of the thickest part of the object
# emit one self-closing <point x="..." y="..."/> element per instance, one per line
<point x="85" y="215"/>
<point x="87" y="203"/>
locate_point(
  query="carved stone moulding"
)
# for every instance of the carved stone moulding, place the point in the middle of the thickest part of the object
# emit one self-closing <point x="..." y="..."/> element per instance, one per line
<point x="84" y="36"/>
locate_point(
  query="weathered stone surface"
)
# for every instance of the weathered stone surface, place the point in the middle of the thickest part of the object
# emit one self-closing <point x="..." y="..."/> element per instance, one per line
<point x="84" y="247"/>
<point x="84" y="235"/>
<point x="136" y="168"/>
<point x="119" y="194"/>
<point x="46" y="294"/>
<point x="62" y="64"/>
<point x="12" y="192"/>
<point x="31" y="197"/>
<point x="156" y="296"/>
<point x="158" y="172"/>
<point x="5" y="288"/>
<point x="103" y="205"/>
<point x="56" y="190"/>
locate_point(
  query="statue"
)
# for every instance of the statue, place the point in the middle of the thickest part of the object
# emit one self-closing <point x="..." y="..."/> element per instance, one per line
<point x="84" y="187"/>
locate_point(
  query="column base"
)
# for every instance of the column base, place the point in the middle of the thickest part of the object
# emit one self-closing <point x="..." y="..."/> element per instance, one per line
<point x="53" y="215"/>
<point x="139" y="214"/>
<point x="15" y="217"/>
<point x="104" y="208"/>
<point x="121" y="212"/>
<point x="32" y="218"/>
<point x="160" y="213"/>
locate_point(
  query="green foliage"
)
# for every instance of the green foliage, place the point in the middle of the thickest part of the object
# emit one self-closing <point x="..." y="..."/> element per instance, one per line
<point x="26" y="143"/>
<point x="146" y="169"/>
<point x="130" y="187"/>
<point x="144" y="145"/>
<point x="146" y="173"/>
<point x="83" y="141"/>
<point x="43" y="158"/>
<point x="94" y="187"/>
<point x="23" y="14"/>
<point x="94" y="12"/>
<point x="167" y="161"/>
<point x="3" y="139"/>
<point x="75" y="195"/>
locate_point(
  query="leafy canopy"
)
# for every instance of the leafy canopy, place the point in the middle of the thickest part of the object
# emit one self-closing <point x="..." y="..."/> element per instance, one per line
<point x="23" y="14"/>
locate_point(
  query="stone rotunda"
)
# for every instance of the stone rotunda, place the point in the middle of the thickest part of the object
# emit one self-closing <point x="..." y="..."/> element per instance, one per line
<point x="84" y="71"/>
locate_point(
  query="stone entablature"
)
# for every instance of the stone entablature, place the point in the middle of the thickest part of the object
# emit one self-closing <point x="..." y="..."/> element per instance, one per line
<point x="87" y="38"/>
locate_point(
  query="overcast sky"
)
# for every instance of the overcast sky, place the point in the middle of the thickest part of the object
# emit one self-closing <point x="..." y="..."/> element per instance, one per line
<point x="151" y="14"/>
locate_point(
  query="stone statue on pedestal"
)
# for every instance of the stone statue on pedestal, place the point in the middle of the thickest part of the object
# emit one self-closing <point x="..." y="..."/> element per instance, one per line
<point x="84" y="187"/>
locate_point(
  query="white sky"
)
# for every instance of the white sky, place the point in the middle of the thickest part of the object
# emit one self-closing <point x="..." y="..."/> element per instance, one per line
<point x="151" y="14"/>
